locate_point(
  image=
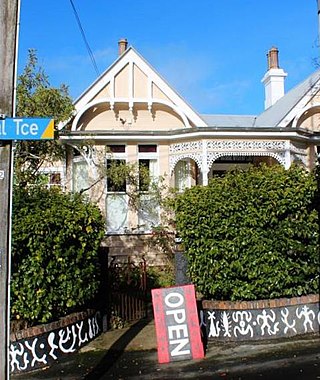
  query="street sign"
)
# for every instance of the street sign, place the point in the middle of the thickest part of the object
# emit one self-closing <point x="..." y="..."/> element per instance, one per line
<point x="22" y="128"/>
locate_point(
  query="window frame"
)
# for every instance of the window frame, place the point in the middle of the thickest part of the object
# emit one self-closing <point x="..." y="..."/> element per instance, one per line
<point x="148" y="156"/>
<point x="76" y="160"/>
<point x="115" y="156"/>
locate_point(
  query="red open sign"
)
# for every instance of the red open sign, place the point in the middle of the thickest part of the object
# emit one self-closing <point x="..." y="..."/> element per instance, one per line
<point x="177" y="324"/>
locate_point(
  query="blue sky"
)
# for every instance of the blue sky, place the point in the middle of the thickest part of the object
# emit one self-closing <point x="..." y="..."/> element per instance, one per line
<point x="213" y="52"/>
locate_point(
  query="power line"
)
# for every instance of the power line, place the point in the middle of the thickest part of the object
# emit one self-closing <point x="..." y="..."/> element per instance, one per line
<point x="84" y="38"/>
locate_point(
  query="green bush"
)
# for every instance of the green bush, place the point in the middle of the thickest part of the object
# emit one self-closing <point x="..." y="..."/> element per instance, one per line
<point x="160" y="276"/>
<point x="55" y="241"/>
<point x="252" y="234"/>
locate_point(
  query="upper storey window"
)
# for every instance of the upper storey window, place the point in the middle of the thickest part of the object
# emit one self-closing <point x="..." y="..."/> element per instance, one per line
<point x="116" y="149"/>
<point x="147" y="148"/>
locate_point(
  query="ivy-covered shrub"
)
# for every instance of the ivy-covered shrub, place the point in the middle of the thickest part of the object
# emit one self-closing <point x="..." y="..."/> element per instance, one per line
<point x="55" y="241"/>
<point x="252" y="234"/>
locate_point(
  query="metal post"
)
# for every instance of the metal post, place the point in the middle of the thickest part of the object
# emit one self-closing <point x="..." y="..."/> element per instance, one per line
<point x="8" y="45"/>
<point x="181" y="264"/>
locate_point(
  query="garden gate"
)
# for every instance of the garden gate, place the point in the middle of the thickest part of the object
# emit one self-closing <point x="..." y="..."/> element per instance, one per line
<point x="127" y="290"/>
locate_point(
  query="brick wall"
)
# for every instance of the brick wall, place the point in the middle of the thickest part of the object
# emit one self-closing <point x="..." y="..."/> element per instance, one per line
<point x="260" y="304"/>
<point x="262" y="319"/>
<point x="40" y="346"/>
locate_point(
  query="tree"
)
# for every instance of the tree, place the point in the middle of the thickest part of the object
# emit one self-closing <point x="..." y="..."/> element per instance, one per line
<point x="36" y="98"/>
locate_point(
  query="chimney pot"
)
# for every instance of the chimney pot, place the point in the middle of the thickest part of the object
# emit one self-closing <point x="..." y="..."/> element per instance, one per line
<point x="123" y="44"/>
<point x="273" y="58"/>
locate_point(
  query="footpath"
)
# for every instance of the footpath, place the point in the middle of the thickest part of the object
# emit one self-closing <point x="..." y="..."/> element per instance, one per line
<point x="131" y="353"/>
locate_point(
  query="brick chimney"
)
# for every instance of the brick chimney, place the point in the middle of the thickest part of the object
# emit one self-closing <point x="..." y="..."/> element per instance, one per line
<point x="273" y="80"/>
<point x="123" y="44"/>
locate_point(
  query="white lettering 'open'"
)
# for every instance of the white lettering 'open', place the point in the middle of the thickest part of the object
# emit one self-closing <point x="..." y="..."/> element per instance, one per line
<point x="181" y="343"/>
<point x="179" y="315"/>
<point x="178" y="333"/>
<point x="174" y="295"/>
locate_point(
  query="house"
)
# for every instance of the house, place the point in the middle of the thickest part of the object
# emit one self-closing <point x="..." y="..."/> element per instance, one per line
<point x="131" y="114"/>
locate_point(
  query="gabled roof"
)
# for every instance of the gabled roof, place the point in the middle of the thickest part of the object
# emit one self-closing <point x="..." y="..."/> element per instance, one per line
<point x="131" y="56"/>
<point x="279" y="114"/>
<point x="285" y="109"/>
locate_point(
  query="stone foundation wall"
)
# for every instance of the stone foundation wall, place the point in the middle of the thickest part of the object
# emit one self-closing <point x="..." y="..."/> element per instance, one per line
<point x="40" y="346"/>
<point x="263" y="319"/>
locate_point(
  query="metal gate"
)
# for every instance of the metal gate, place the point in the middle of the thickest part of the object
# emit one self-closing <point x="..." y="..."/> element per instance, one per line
<point x="127" y="289"/>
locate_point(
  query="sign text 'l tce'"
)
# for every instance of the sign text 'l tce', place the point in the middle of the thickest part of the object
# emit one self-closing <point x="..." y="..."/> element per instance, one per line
<point x="21" y="128"/>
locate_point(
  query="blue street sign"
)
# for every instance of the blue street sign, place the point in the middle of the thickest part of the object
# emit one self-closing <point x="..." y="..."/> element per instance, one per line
<point x="24" y="128"/>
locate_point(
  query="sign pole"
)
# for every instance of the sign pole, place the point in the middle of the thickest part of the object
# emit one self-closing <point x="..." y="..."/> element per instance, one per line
<point x="8" y="45"/>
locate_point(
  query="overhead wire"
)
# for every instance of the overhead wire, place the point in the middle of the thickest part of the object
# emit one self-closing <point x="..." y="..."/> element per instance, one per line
<point x="85" y="38"/>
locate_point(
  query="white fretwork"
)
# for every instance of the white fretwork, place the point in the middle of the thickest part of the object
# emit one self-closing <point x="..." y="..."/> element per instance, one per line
<point x="204" y="153"/>
<point x="280" y="157"/>
<point x="295" y="149"/>
<point x="192" y="146"/>
<point x="300" y="158"/>
<point x="173" y="160"/>
<point x="247" y="145"/>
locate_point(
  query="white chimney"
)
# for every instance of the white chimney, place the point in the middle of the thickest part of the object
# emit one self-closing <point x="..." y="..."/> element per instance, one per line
<point x="274" y="79"/>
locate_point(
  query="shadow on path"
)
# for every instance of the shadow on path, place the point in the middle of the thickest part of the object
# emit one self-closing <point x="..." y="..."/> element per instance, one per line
<point x="116" y="350"/>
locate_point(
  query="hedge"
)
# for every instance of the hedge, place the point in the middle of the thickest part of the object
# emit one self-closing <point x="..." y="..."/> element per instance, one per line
<point x="252" y="234"/>
<point x="55" y="241"/>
